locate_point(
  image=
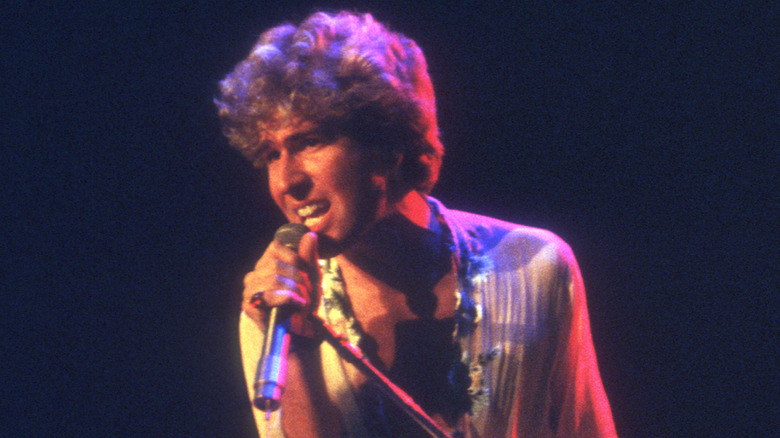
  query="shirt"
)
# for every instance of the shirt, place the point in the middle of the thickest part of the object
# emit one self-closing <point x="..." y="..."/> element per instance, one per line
<point x="526" y="362"/>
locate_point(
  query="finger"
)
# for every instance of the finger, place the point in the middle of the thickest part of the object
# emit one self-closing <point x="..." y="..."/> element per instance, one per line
<point x="263" y="294"/>
<point x="297" y="275"/>
<point x="258" y="299"/>
<point x="294" y="280"/>
<point x="253" y="310"/>
<point x="277" y="251"/>
<point x="284" y="298"/>
<point x="267" y="276"/>
<point x="257" y="281"/>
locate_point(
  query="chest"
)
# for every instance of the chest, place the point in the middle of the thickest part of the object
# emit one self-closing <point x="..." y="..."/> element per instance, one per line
<point x="410" y="339"/>
<point x="394" y="320"/>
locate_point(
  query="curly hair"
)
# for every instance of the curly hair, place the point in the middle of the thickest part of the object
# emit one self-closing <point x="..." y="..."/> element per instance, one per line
<point x="346" y="72"/>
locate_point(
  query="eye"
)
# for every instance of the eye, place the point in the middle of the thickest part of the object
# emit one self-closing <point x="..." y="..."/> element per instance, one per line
<point x="302" y="144"/>
<point x="270" y="155"/>
<point x="310" y="142"/>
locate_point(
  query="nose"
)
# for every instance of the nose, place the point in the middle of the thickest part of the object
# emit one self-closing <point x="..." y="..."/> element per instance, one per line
<point x="289" y="177"/>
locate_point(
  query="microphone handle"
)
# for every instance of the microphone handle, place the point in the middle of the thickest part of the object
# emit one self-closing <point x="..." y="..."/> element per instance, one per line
<point x="271" y="374"/>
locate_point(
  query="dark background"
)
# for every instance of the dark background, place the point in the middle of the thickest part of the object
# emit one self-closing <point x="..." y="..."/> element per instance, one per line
<point x="644" y="135"/>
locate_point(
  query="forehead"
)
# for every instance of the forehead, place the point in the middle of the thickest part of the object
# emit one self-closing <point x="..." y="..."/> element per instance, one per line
<point x="280" y="127"/>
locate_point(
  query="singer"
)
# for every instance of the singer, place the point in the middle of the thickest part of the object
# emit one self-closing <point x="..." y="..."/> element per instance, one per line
<point x="482" y="322"/>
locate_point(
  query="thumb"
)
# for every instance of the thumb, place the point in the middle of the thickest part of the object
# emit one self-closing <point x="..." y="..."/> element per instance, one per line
<point x="307" y="248"/>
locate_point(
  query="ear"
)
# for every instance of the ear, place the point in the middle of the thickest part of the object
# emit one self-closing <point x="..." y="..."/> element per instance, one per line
<point x="379" y="182"/>
<point x="398" y="158"/>
<point x="386" y="163"/>
<point x="392" y="176"/>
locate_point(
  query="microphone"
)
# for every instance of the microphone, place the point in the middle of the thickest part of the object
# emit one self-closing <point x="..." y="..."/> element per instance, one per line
<point x="271" y="374"/>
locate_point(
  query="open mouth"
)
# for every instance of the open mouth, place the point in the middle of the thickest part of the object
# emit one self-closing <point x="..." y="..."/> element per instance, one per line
<point x="311" y="214"/>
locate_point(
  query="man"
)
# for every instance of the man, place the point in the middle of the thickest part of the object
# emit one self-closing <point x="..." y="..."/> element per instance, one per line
<point x="482" y="322"/>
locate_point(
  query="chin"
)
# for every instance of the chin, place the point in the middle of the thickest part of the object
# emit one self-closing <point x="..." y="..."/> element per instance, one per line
<point x="331" y="246"/>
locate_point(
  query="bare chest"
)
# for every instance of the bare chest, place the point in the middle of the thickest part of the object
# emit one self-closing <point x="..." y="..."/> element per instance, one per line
<point x="410" y="338"/>
<point x="396" y="322"/>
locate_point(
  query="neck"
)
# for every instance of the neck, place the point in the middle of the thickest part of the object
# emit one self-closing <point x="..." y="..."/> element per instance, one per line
<point x="398" y="231"/>
<point x="402" y="250"/>
<point x="414" y="207"/>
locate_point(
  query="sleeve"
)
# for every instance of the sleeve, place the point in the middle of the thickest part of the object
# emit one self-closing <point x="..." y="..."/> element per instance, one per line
<point x="578" y="405"/>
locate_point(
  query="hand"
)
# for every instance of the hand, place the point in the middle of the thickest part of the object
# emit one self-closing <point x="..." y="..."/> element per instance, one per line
<point x="286" y="279"/>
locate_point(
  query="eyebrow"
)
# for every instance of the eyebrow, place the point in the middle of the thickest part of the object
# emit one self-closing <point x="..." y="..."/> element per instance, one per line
<point x="326" y="134"/>
<point x="294" y="138"/>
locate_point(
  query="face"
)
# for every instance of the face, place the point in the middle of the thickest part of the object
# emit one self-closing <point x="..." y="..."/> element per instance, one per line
<point x="323" y="181"/>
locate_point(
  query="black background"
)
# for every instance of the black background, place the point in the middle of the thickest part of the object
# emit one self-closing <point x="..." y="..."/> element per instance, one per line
<point x="644" y="135"/>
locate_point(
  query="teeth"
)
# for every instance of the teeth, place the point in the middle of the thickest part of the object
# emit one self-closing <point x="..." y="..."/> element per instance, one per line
<point x="311" y="223"/>
<point x="309" y="210"/>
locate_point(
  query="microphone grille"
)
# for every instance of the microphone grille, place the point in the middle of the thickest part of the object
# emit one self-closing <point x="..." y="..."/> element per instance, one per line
<point x="290" y="235"/>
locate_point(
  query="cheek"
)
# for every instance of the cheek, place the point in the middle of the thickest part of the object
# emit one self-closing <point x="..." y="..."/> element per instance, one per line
<point x="346" y="175"/>
<point x="273" y="187"/>
<point x="356" y="185"/>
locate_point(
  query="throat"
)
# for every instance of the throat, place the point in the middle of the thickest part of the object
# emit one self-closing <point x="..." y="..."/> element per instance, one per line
<point x="407" y="258"/>
<point x="400" y="276"/>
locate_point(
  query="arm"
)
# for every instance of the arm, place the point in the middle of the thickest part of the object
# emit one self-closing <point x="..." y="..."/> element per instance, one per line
<point x="576" y="388"/>
<point x="284" y="277"/>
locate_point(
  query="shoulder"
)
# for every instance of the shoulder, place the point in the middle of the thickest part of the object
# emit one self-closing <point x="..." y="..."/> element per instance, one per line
<point x="510" y="246"/>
